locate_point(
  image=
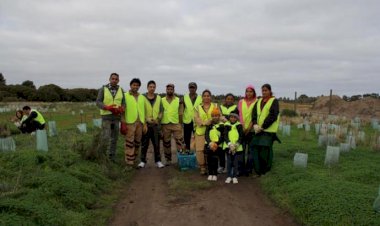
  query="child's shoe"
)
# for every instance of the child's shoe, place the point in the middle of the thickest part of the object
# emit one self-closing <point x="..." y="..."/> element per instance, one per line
<point x="214" y="178"/>
<point x="210" y="178"/>
<point x="228" y="180"/>
<point x="235" y="180"/>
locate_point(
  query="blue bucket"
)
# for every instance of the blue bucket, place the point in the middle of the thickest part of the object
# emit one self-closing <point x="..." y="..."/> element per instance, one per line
<point x="186" y="161"/>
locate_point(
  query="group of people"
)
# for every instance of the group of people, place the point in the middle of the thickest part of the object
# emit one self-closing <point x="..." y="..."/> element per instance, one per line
<point x="29" y="120"/>
<point x="243" y="132"/>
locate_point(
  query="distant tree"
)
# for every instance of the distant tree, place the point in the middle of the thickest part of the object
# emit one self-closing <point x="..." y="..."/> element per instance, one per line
<point x="51" y="93"/>
<point x="2" y="80"/>
<point x="22" y="92"/>
<point x="355" y="97"/>
<point x="28" y="83"/>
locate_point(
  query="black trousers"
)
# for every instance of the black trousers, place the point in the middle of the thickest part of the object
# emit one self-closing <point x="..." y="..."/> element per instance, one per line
<point x="212" y="160"/>
<point x="31" y="126"/>
<point x="188" y="129"/>
<point x="153" y="135"/>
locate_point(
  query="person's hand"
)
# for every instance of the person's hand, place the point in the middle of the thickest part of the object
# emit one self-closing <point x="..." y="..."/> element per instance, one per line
<point x="145" y="128"/>
<point x="213" y="146"/>
<point x="256" y="128"/>
<point x="123" y="128"/>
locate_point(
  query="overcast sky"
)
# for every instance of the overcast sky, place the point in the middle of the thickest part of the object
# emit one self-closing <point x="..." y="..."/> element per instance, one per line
<point x="308" y="46"/>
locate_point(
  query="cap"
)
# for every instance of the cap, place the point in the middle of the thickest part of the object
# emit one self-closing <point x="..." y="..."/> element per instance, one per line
<point x="193" y="84"/>
<point x="215" y="112"/>
<point x="234" y="114"/>
<point x="170" y="85"/>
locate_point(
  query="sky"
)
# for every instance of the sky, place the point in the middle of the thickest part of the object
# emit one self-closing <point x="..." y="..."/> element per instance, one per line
<point x="308" y="47"/>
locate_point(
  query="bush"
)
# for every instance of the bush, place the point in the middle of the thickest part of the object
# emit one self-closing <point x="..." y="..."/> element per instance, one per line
<point x="289" y="113"/>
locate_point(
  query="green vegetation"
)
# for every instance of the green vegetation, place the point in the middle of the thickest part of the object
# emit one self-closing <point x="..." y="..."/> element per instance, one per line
<point x="289" y="113"/>
<point x="64" y="186"/>
<point x="318" y="195"/>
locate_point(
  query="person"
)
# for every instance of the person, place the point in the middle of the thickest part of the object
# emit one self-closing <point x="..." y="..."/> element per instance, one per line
<point x="245" y="107"/>
<point x="34" y="121"/>
<point x="233" y="138"/>
<point x="214" y="142"/>
<point x="18" y="119"/>
<point x="111" y="102"/>
<point x="152" y="117"/>
<point x="190" y="102"/>
<point x="134" y="118"/>
<point x="228" y="107"/>
<point x="202" y="118"/>
<point x="170" y="122"/>
<point x="266" y="119"/>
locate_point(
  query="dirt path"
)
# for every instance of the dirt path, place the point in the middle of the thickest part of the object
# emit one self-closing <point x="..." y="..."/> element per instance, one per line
<point x="149" y="201"/>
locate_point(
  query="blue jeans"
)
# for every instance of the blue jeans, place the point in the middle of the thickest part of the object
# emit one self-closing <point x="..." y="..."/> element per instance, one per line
<point x="232" y="164"/>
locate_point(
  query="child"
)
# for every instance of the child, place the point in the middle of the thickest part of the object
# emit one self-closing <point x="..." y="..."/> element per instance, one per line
<point x="213" y="144"/>
<point x="233" y="136"/>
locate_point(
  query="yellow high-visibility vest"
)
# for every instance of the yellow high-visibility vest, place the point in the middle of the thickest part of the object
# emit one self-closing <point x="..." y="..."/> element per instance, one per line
<point x="233" y="135"/>
<point x="135" y="109"/>
<point x="109" y="99"/>
<point x="226" y="111"/>
<point x="170" y="114"/>
<point x="39" y="117"/>
<point x="247" y="113"/>
<point x="200" y="130"/>
<point x="188" y="114"/>
<point x="263" y="114"/>
<point x="152" y="111"/>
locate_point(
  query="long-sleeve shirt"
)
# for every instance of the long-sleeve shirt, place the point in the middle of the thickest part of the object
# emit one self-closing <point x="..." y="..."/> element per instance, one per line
<point x="31" y="117"/>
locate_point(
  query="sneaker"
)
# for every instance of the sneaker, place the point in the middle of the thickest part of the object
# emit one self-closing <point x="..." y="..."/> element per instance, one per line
<point x="210" y="178"/>
<point x="141" y="165"/>
<point x="228" y="180"/>
<point x="220" y="170"/>
<point x="214" y="178"/>
<point x="235" y="180"/>
<point x="160" y="165"/>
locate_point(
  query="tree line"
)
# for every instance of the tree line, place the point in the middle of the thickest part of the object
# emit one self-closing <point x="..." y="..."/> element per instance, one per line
<point x="27" y="91"/>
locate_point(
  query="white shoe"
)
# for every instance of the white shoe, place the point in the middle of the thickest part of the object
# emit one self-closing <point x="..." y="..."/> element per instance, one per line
<point x="228" y="180"/>
<point x="235" y="180"/>
<point x="209" y="178"/>
<point x="220" y="170"/>
<point x="141" y="165"/>
<point x="214" y="178"/>
<point x="160" y="165"/>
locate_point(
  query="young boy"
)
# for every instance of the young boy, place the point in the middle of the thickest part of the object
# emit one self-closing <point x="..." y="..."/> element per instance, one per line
<point x="233" y="137"/>
<point x="213" y="144"/>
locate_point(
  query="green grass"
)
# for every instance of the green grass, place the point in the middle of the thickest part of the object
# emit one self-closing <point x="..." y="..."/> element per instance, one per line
<point x="58" y="187"/>
<point x="319" y="195"/>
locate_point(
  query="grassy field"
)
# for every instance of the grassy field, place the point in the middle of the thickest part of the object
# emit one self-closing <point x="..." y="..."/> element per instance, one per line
<point x="59" y="187"/>
<point x="321" y="195"/>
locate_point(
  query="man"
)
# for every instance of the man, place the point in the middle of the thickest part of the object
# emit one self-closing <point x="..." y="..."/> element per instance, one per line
<point x="171" y="122"/>
<point x="152" y="118"/>
<point x="135" y="121"/>
<point x="111" y="103"/>
<point x="33" y="122"/>
<point x="190" y="102"/>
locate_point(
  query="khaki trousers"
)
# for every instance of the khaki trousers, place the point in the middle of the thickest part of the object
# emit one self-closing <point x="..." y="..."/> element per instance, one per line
<point x="167" y="131"/>
<point x="132" y="142"/>
<point x="200" y="151"/>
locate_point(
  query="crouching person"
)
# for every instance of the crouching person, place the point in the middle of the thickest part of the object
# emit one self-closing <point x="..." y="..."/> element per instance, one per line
<point x="33" y="122"/>
<point x="233" y="137"/>
<point x="214" y="142"/>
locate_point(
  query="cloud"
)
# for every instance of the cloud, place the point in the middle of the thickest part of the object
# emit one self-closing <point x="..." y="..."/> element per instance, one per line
<point x="304" y="46"/>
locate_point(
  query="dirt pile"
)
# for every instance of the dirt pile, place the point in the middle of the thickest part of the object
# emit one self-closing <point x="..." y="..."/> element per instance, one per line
<point x="366" y="107"/>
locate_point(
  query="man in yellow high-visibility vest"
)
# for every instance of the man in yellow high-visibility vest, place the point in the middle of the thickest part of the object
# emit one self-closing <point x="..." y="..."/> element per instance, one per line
<point x="190" y="103"/>
<point x="153" y="116"/>
<point x="34" y="120"/>
<point x="111" y="102"/>
<point x="172" y="112"/>
<point x="135" y="121"/>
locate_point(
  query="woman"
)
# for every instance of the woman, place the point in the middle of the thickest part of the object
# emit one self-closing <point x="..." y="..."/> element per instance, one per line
<point x="245" y="107"/>
<point x="265" y="118"/>
<point x="203" y="118"/>
<point x="18" y="119"/>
